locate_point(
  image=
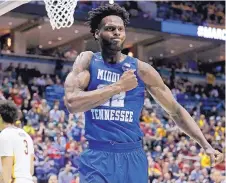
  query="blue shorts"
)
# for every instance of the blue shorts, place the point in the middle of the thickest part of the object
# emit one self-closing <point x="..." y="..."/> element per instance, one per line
<point x="106" y="162"/>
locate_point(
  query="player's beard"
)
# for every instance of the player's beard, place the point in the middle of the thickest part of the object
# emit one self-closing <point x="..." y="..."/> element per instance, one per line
<point x="111" y="45"/>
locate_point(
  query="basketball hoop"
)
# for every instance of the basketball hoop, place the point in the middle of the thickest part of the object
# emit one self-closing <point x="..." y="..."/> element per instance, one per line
<point x="60" y="12"/>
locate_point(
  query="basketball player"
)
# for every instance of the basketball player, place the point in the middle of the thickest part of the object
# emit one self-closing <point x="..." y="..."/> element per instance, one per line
<point x="109" y="87"/>
<point x="16" y="147"/>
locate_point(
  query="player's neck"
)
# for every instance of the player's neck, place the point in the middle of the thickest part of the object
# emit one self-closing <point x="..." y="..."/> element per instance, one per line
<point x="6" y="125"/>
<point x="112" y="57"/>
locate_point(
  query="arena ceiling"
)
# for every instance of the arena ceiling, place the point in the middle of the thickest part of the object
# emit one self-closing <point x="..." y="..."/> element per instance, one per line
<point x="156" y="44"/>
<point x="172" y="46"/>
<point x="7" y="23"/>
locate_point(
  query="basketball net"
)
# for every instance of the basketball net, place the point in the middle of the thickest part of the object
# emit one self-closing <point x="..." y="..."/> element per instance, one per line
<point x="61" y="12"/>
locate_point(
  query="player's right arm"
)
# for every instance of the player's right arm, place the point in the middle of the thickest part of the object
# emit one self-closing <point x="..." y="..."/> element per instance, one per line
<point x="32" y="164"/>
<point x="79" y="100"/>
<point x="30" y="148"/>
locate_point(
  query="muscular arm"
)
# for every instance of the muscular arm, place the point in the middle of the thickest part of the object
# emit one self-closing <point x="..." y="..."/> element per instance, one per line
<point x="162" y="95"/>
<point x="76" y="98"/>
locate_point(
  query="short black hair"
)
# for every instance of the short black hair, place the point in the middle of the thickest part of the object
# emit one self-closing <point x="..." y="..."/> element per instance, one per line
<point x="8" y="111"/>
<point x="96" y="15"/>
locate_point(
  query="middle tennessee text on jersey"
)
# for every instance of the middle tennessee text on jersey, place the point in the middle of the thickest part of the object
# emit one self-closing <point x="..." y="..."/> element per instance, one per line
<point x="118" y="119"/>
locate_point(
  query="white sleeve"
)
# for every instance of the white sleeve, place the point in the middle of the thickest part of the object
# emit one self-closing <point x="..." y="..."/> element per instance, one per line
<point x="6" y="146"/>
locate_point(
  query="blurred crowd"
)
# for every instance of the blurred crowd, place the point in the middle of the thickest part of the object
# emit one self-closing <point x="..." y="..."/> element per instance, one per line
<point x="195" y="12"/>
<point x="173" y="157"/>
<point x="59" y="136"/>
<point x="190" y="66"/>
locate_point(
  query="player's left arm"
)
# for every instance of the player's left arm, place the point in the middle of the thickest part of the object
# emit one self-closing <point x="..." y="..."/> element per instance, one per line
<point x="6" y="155"/>
<point x="1" y="176"/>
<point x="7" y="166"/>
<point x="163" y="96"/>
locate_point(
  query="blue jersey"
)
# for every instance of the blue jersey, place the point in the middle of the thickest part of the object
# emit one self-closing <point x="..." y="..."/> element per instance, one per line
<point x="118" y="119"/>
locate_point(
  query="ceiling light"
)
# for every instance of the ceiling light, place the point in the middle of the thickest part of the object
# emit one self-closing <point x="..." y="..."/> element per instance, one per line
<point x="59" y="38"/>
<point x="161" y="55"/>
<point x="40" y="46"/>
<point x="39" y="27"/>
<point x="49" y="42"/>
<point x="10" y="23"/>
<point x="172" y="51"/>
<point x="76" y="31"/>
<point x="190" y="45"/>
<point x="9" y="41"/>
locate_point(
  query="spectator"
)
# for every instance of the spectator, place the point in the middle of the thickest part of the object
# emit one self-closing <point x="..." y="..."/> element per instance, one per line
<point x="196" y="173"/>
<point x="10" y="67"/>
<point x="55" y="114"/>
<point x="202" y="121"/>
<point x="44" y="111"/>
<point x="173" y="167"/>
<point x="6" y="87"/>
<point x="204" y="159"/>
<point x="181" y="178"/>
<point x="33" y="116"/>
<point x="66" y="176"/>
<point x="53" y="179"/>
<point x="77" y="131"/>
<point x="149" y="9"/>
<point x="29" y="129"/>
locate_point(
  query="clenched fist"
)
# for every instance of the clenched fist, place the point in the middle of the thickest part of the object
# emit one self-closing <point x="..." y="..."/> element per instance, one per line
<point x="128" y="81"/>
<point x="216" y="156"/>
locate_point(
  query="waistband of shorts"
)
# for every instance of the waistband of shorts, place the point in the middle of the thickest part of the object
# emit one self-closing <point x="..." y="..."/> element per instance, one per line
<point x="115" y="146"/>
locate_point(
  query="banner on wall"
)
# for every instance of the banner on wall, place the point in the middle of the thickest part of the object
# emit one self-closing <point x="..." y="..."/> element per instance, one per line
<point x="194" y="30"/>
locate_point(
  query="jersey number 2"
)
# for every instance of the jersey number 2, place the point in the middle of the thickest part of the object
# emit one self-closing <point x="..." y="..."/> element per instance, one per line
<point x="26" y="147"/>
<point x="116" y="101"/>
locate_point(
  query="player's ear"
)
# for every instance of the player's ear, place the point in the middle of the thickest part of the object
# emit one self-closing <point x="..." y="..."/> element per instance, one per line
<point x="97" y="34"/>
